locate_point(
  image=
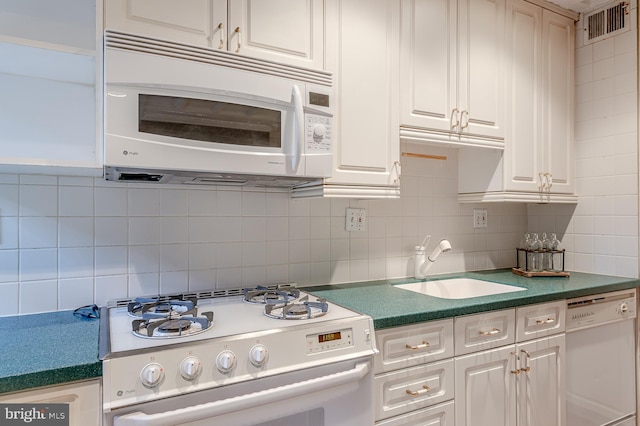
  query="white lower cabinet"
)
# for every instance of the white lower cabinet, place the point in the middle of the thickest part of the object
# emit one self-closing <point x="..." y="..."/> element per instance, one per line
<point x="517" y="384"/>
<point x="486" y="388"/>
<point x="84" y="399"/>
<point x="542" y="382"/>
<point x="521" y="384"/>
<point x="498" y="368"/>
<point x="414" y="376"/>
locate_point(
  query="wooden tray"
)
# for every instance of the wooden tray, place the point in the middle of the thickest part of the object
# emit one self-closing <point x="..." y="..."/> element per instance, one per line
<point x="529" y="274"/>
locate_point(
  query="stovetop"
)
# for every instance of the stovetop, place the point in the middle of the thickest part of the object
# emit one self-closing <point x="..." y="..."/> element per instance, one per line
<point x="232" y="316"/>
<point x="241" y="344"/>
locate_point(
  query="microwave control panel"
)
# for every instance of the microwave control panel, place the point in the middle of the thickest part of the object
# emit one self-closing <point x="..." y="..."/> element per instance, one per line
<point x="317" y="133"/>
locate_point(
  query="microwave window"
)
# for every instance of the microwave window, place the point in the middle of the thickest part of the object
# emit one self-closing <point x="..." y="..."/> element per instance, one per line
<point x="209" y="121"/>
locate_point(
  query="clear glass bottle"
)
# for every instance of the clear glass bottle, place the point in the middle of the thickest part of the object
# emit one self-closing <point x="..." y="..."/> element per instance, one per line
<point x="546" y="255"/>
<point x="535" y="253"/>
<point x="522" y="255"/>
<point x="556" y="256"/>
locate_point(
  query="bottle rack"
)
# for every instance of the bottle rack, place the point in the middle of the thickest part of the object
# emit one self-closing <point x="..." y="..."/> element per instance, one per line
<point x="525" y="271"/>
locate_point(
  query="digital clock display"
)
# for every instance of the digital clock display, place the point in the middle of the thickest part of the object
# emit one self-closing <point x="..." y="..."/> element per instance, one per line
<point x="322" y="338"/>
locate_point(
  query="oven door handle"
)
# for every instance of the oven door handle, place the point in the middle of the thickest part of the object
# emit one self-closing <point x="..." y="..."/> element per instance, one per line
<point x="245" y="402"/>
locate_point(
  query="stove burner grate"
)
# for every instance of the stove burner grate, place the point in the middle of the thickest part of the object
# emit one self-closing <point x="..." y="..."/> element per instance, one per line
<point x="300" y="309"/>
<point x="172" y="325"/>
<point x="263" y="295"/>
<point x="142" y="306"/>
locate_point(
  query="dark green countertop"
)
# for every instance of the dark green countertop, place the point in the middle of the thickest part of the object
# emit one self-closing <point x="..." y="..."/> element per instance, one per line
<point x="57" y="347"/>
<point x="47" y="349"/>
<point x="391" y="307"/>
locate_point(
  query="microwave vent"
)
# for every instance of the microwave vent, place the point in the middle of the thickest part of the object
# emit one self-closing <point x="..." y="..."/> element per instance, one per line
<point x="182" y="177"/>
<point x="137" y="43"/>
<point x="606" y="21"/>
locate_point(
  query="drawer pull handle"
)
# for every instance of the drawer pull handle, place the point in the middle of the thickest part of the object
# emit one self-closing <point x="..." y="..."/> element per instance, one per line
<point x="547" y="321"/>
<point x="489" y="333"/>
<point x="422" y="391"/>
<point x="424" y="344"/>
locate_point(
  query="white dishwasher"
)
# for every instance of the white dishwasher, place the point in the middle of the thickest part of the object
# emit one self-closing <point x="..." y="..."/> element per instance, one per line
<point x="601" y="359"/>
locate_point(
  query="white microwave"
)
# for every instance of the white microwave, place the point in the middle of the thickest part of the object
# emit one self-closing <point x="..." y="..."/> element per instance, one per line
<point x="177" y="114"/>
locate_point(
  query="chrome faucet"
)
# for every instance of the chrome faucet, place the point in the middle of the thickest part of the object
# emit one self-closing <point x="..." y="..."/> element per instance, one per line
<point x="423" y="262"/>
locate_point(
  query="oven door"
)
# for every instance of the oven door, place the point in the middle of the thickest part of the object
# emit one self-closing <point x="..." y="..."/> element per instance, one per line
<point x="339" y="394"/>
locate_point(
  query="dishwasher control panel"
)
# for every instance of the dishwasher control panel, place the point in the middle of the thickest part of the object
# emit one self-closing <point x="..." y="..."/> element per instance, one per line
<point x="598" y="309"/>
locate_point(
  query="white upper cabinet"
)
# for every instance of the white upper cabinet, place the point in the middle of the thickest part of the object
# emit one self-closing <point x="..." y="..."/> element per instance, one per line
<point x="558" y="38"/>
<point x="49" y="75"/>
<point x="365" y="124"/>
<point x="537" y="164"/>
<point x="286" y="31"/>
<point x="452" y="82"/>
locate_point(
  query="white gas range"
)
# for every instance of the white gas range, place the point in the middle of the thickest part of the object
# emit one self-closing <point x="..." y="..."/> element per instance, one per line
<point x="194" y="358"/>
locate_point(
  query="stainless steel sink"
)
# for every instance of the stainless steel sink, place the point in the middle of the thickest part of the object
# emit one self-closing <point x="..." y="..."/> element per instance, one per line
<point x="459" y="288"/>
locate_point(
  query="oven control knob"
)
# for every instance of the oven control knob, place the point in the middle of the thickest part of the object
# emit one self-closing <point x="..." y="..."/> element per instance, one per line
<point x="226" y="361"/>
<point x="258" y="355"/>
<point x="152" y="374"/>
<point x="190" y="367"/>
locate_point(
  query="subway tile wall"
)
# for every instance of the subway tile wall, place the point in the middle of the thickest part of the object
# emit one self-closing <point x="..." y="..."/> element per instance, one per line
<point x="601" y="232"/>
<point x="70" y="241"/>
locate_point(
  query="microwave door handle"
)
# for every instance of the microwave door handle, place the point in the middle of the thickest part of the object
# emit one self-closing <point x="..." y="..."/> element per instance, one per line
<point x="298" y="113"/>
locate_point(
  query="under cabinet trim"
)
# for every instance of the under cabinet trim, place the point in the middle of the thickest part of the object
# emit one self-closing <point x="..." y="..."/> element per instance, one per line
<point x="453" y="140"/>
<point x="518" y="197"/>
<point x="346" y="191"/>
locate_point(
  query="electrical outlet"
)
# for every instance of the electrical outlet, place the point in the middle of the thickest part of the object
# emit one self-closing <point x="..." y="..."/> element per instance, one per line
<point x="479" y="218"/>
<point x="356" y="219"/>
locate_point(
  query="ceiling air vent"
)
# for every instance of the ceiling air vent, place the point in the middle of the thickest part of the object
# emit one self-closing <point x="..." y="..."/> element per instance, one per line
<point x="606" y="21"/>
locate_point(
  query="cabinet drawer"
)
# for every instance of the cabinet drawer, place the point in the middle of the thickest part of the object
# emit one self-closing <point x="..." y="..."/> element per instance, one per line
<point x="541" y="320"/>
<point x="439" y="415"/>
<point x="399" y="392"/>
<point x="411" y="345"/>
<point x="484" y="331"/>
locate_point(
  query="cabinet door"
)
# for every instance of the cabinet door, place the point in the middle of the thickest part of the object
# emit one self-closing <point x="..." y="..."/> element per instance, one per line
<point x="84" y="399"/>
<point x="428" y="57"/>
<point x="193" y="22"/>
<point x="367" y="145"/>
<point x="285" y="31"/>
<point x="480" y="71"/>
<point x="439" y="415"/>
<point x="541" y="382"/>
<point x="523" y="153"/>
<point x="485" y="388"/>
<point x="558" y="36"/>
